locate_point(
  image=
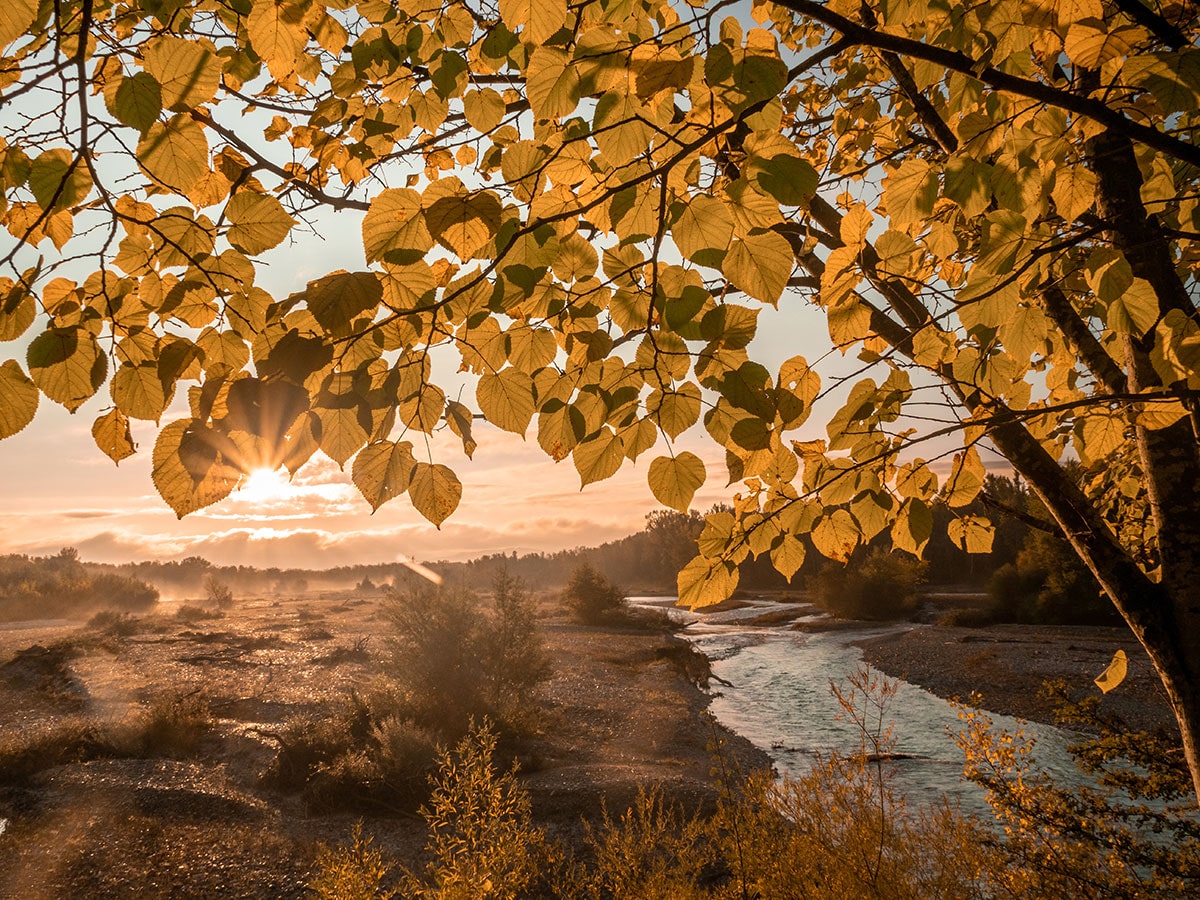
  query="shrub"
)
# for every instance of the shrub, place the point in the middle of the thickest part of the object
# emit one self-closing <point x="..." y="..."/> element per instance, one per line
<point x="26" y="751"/>
<point x="457" y="661"/>
<point x="356" y="872"/>
<point x="187" y="612"/>
<point x="591" y="596"/>
<point x="172" y="726"/>
<point x="881" y="586"/>
<point x="217" y="592"/>
<point x="365" y="753"/>
<point x="482" y="838"/>
<point x="116" y="624"/>
<point x="1049" y="585"/>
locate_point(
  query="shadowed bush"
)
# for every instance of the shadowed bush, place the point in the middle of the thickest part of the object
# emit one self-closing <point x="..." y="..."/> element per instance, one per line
<point x="592" y="597"/>
<point x="881" y="586"/>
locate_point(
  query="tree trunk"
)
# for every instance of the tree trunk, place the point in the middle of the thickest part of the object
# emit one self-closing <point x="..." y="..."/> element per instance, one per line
<point x="1169" y="457"/>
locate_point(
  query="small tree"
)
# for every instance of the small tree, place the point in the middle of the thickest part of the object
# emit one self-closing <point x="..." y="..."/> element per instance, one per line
<point x="882" y="586"/>
<point x="591" y="596"/>
<point x="217" y="592"/>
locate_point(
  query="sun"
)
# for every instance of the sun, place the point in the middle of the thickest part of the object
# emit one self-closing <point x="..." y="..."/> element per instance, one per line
<point x="264" y="485"/>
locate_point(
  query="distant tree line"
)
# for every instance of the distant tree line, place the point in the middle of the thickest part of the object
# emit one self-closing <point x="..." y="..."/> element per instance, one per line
<point x="51" y="587"/>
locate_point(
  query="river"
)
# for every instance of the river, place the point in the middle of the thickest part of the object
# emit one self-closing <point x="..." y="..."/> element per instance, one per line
<point x="778" y="697"/>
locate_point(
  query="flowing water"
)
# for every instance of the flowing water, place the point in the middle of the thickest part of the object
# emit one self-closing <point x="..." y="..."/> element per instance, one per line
<point x="779" y="698"/>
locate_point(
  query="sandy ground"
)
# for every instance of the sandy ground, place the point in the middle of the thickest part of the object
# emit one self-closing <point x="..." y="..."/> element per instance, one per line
<point x="1007" y="666"/>
<point x="622" y="710"/>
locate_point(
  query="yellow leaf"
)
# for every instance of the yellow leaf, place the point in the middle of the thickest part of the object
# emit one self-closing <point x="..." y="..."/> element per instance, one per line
<point x="464" y="223"/>
<point x="18" y="399"/>
<point x="16" y="19"/>
<point x="599" y="457"/>
<point x="537" y="19"/>
<point x="59" y="180"/>
<point x="972" y="533"/>
<point x="1115" y="673"/>
<point x="190" y="470"/>
<point x="434" y="491"/>
<point x="138" y="391"/>
<point x="18" y="309"/>
<point x="175" y="153"/>
<point x="552" y="83"/>
<point x="965" y="479"/>
<point x="383" y="471"/>
<point x="835" y="535"/>
<point x="675" y="480"/>
<point x="277" y="35"/>
<point x="706" y="582"/>
<point x="913" y="527"/>
<point x="394" y="229"/>
<point x="506" y="399"/>
<point x="188" y="74"/>
<point x="111" y="434"/>
<point x="760" y="265"/>
<point x="343" y="431"/>
<point x="787" y="556"/>
<point x="67" y="365"/>
<point x="910" y="192"/>
<point x="258" y="222"/>
<point x="484" y="109"/>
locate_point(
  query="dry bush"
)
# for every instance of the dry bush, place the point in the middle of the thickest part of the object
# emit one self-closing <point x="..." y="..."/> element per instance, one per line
<point x="191" y="614"/>
<point x="364" y="753"/>
<point x="172" y="726"/>
<point x="26" y="751"/>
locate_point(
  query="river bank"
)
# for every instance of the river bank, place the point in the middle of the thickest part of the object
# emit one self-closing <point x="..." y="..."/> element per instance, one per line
<point x="621" y="711"/>
<point x="1008" y="665"/>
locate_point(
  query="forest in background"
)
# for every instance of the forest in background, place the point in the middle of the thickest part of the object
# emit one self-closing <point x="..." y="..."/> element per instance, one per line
<point x="1030" y="574"/>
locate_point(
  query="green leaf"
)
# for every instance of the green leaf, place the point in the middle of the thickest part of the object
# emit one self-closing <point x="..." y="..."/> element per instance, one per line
<point x="760" y="265"/>
<point x="674" y="481"/>
<point x="913" y="527"/>
<point x="434" y="491"/>
<point x="111" y="434"/>
<point x="258" y="222"/>
<point x="506" y="399"/>
<point x="706" y="582"/>
<point x="598" y="458"/>
<point x="835" y="535"/>
<point x="18" y="399"/>
<point x="138" y="101"/>
<point x="394" y="229"/>
<point x="1115" y="673"/>
<point x="190" y="471"/>
<point x="174" y="153"/>
<point x="383" y="471"/>
<point x="67" y="365"/>
<point x="16" y="19"/>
